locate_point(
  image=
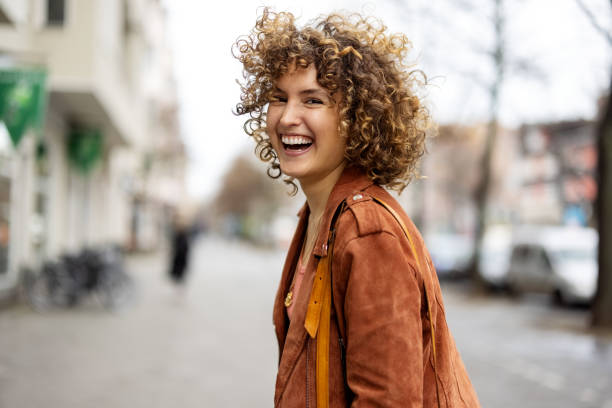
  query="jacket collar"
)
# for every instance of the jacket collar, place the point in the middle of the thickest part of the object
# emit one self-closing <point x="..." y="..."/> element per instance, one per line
<point x="352" y="180"/>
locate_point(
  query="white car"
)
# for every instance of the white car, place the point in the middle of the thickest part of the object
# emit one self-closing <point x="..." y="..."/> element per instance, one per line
<point x="450" y="253"/>
<point x="557" y="260"/>
<point x="495" y="255"/>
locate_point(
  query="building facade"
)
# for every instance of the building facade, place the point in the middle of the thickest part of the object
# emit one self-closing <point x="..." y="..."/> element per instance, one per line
<point x="559" y="162"/>
<point x="107" y="163"/>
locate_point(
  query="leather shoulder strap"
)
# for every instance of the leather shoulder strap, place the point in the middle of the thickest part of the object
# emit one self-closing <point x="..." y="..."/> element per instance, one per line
<point x="426" y="280"/>
<point x="318" y="315"/>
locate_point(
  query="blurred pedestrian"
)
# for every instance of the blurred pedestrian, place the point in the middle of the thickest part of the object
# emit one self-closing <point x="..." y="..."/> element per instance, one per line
<point x="359" y="315"/>
<point x="180" y="249"/>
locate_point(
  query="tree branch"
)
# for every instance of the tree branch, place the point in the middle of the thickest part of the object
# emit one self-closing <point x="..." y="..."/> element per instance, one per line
<point x="594" y="21"/>
<point x="527" y="67"/>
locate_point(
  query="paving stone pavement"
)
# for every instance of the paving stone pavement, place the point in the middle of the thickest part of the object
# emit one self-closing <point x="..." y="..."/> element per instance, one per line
<point x="211" y="343"/>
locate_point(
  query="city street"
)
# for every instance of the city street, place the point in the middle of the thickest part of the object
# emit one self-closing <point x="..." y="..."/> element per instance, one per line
<point x="211" y="344"/>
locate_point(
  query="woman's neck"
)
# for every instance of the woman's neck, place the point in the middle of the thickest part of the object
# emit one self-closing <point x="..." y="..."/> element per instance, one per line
<point x="317" y="192"/>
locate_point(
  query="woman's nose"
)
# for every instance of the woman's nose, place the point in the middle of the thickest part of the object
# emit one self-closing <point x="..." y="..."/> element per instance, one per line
<point x="290" y="116"/>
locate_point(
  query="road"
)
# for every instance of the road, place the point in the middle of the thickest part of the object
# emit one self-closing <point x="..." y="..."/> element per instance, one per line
<point x="211" y="344"/>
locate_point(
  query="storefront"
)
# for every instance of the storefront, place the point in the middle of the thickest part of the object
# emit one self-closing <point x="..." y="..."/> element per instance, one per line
<point x="22" y="106"/>
<point x="5" y="199"/>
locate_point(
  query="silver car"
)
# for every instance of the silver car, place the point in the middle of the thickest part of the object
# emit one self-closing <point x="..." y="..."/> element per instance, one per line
<point x="557" y="260"/>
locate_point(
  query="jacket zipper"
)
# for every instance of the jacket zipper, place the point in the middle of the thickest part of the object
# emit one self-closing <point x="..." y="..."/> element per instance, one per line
<point x="307" y="367"/>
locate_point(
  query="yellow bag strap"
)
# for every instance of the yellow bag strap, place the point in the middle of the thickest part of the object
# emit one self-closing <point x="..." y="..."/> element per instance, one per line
<point x="318" y="314"/>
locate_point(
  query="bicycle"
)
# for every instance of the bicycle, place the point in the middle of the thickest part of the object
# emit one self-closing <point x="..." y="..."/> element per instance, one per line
<point x="67" y="281"/>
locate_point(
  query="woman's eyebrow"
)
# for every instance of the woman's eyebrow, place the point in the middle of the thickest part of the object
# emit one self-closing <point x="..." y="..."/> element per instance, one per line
<point x="310" y="91"/>
<point x="313" y="91"/>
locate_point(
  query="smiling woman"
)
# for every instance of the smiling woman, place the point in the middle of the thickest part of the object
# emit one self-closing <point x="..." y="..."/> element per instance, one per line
<point x="302" y="124"/>
<point x="358" y="314"/>
<point x="352" y="57"/>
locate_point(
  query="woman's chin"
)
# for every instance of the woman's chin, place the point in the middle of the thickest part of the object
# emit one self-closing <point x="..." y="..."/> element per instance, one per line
<point x="292" y="171"/>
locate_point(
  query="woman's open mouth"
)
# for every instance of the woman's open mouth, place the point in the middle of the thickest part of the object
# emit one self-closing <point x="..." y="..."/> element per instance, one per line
<point x="296" y="143"/>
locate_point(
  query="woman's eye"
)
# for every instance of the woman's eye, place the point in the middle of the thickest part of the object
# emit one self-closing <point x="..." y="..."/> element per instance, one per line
<point x="314" y="101"/>
<point x="278" y="98"/>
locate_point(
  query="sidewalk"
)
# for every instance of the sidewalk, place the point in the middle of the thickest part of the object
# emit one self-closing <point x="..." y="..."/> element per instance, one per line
<point x="209" y="345"/>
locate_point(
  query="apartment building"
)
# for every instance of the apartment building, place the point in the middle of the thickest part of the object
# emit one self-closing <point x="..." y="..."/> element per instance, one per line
<point x="106" y="164"/>
<point x="559" y="164"/>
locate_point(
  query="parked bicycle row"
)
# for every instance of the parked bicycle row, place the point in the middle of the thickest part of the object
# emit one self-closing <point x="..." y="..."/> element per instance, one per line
<point x="71" y="278"/>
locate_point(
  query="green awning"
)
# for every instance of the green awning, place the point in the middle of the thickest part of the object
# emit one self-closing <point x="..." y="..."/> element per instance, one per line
<point x="22" y="100"/>
<point x="85" y="148"/>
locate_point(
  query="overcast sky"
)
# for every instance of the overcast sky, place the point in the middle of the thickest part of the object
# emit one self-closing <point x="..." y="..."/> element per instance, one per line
<point x="569" y="64"/>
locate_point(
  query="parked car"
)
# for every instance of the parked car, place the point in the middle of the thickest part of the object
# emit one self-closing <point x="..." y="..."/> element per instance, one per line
<point x="494" y="258"/>
<point x="557" y="260"/>
<point x="450" y="253"/>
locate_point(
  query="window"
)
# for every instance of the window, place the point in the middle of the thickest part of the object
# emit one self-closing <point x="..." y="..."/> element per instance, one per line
<point x="56" y="12"/>
<point x="544" y="261"/>
<point x="520" y="253"/>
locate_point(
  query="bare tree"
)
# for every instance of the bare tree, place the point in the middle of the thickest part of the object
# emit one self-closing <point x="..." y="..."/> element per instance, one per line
<point x="503" y="65"/>
<point x="498" y="57"/>
<point x="248" y="193"/>
<point x="602" y="307"/>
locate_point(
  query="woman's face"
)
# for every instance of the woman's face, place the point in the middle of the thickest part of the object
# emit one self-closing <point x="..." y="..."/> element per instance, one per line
<point x="302" y="123"/>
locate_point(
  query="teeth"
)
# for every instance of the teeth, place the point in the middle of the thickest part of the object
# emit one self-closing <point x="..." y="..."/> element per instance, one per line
<point x="296" y="140"/>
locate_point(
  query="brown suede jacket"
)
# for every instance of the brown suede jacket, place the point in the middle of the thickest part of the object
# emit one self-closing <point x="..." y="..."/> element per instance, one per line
<point x="380" y="309"/>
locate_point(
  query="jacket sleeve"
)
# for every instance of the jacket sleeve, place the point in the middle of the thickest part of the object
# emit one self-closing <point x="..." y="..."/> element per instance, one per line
<point x="382" y="305"/>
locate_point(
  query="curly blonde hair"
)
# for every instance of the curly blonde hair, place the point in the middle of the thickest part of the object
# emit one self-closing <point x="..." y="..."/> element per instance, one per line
<point x="381" y="116"/>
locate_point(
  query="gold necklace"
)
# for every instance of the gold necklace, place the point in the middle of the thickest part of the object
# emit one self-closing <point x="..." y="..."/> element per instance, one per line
<point x="289" y="297"/>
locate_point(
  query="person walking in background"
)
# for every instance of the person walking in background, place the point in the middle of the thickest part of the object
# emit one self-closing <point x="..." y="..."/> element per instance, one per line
<point x="180" y="249"/>
<point x="359" y="315"/>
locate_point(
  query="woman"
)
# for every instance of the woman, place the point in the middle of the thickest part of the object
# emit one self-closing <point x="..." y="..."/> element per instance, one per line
<point x="359" y="314"/>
